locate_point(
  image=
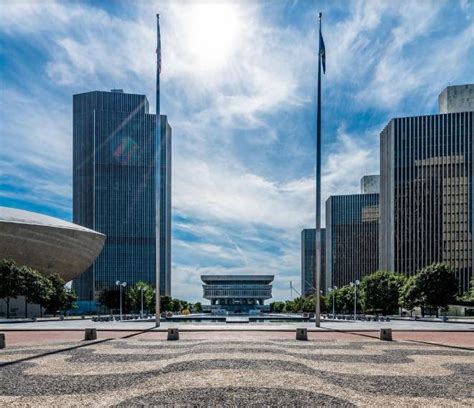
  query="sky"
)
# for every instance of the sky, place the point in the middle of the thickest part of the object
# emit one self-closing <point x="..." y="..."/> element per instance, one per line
<point x="238" y="84"/>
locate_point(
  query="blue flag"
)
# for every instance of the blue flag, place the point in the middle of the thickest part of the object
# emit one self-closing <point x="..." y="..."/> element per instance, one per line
<point x="322" y="51"/>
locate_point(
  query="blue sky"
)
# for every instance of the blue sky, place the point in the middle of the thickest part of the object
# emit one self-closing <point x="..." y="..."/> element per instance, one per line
<point x="238" y="86"/>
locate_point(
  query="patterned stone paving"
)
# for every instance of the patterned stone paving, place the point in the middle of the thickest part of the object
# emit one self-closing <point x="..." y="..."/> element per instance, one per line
<point x="144" y="371"/>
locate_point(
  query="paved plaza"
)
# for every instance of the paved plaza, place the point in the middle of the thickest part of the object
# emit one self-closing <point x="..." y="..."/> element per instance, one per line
<point x="236" y="368"/>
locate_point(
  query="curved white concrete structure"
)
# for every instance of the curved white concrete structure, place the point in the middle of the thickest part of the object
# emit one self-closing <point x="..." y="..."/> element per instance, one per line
<point x="47" y="244"/>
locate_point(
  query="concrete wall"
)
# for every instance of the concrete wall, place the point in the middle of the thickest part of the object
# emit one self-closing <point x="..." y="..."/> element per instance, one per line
<point x="457" y="98"/>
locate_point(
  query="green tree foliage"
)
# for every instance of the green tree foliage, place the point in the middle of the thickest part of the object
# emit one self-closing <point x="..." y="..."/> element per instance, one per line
<point x="165" y="304"/>
<point x="277" y="307"/>
<point x="61" y="298"/>
<point x="134" y="296"/>
<point x="175" y="305"/>
<point x="344" y="300"/>
<point x="411" y="294"/>
<point x="11" y="282"/>
<point x="380" y="292"/>
<point x="298" y="305"/>
<point x="197" y="307"/>
<point x="37" y="288"/>
<point x="439" y="285"/>
<point x="434" y="286"/>
<point x="110" y="298"/>
<point x="469" y="296"/>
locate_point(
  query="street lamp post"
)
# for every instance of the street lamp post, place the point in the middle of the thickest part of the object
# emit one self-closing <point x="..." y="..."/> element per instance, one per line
<point x="121" y="285"/>
<point x="355" y="284"/>
<point x="333" y="290"/>
<point x="141" y="314"/>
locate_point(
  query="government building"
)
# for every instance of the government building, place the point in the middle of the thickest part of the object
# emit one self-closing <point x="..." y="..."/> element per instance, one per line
<point x="237" y="293"/>
<point x="352" y="237"/>
<point x="427" y="188"/>
<point x="308" y="266"/>
<point x="122" y="189"/>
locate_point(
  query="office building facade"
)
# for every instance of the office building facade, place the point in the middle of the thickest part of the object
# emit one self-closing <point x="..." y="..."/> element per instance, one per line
<point x="164" y="252"/>
<point x="308" y="266"/>
<point x="116" y="188"/>
<point x="427" y="192"/>
<point x="352" y="231"/>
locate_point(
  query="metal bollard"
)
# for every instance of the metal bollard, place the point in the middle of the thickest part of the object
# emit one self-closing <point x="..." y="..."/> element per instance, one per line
<point x="302" y="334"/>
<point x="386" y="334"/>
<point x="173" y="334"/>
<point x="2" y="341"/>
<point x="90" y="334"/>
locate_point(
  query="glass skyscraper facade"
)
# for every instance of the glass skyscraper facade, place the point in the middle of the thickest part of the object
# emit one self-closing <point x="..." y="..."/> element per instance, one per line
<point x="352" y="233"/>
<point x="308" y="266"/>
<point x="115" y="186"/>
<point x="164" y="251"/>
<point x="427" y="193"/>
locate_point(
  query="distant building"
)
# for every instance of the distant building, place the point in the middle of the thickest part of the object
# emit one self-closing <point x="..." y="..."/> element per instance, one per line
<point x="427" y="189"/>
<point x="370" y="184"/>
<point x="308" y="251"/>
<point x="352" y="233"/>
<point x="116" y="188"/>
<point x="237" y="293"/>
<point x="457" y="98"/>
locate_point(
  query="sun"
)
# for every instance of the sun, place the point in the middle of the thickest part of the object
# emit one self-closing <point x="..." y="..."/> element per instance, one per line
<point x="212" y="31"/>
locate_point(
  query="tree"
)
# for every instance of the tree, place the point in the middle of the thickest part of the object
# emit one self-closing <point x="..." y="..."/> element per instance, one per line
<point x="61" y="298"/>
<point x="468" y="296"/>
<point x="11" y="282"/>
<point x="37" y="288"/>
<point x="134" y="296"/>
<point x="438" y="284"/>
<point x="175" y="305"/>
<point x="165" y="304"/>
<point x="110" y="298"/>
<point x="410" y="294"/>
<point x="198" y="307"/>
<point x="344" y="299"/>
<point x="380" y="292"/>
<point x="277" y="307"/>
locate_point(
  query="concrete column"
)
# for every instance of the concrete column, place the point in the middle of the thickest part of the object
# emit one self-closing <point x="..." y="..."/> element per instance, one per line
<point x="386" y="334"/>
<point x="173" y="334"/>
<point x="90" y="334"/>
<point x="302" y="334"/>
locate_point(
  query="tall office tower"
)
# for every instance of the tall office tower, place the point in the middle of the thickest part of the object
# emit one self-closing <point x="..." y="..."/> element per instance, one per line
<point x="370" y="184"/>
<point x="114" y="186"/>
<point x="352" y="234"/>
<point x="427" y="172"/>
<point x="308" y="251"/>
<point x="165" y="208"/>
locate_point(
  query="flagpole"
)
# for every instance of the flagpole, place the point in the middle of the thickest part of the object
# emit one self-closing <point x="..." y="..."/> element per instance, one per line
<point x="157" y="169"/>
<point x="317" y="315"/>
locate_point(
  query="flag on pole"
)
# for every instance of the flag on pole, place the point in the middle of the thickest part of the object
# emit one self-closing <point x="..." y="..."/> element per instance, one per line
<point x="322" y="51"/>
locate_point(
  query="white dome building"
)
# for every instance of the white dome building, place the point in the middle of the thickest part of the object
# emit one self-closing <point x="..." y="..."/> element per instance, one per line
<point x="47" y="244"/>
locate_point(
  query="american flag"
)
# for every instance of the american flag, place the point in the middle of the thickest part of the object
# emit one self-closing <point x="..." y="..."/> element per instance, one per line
<point x="322" y="51"/>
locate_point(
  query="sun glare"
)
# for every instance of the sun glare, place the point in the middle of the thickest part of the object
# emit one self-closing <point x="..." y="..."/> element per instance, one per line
<point x="212" y="34"/>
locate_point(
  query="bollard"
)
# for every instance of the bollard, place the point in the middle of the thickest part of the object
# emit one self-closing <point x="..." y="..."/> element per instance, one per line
<point x="301" y="334"/>
<point x="173" y="334"/>
<point x="2" y="341"/>
<point x="386" y="334"/>
<point x="90" y="334"/>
